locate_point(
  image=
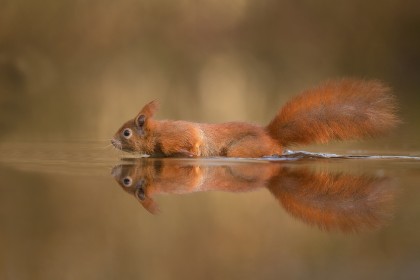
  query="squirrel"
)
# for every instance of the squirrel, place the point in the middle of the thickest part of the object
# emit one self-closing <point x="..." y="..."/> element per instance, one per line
<point x="341" y="109"/>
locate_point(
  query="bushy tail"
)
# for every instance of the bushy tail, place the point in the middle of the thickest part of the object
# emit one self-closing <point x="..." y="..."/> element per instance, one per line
<point x="335" y="110"/>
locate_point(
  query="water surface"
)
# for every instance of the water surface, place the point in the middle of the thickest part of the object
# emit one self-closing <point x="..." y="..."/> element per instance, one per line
<point x="77" y="210"/>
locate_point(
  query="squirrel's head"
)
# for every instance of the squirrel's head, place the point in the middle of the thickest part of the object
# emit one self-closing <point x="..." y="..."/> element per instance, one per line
<point x="134" y="135"/>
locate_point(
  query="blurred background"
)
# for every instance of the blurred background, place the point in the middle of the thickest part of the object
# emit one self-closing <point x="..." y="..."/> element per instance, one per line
<point x="74" y="70"/>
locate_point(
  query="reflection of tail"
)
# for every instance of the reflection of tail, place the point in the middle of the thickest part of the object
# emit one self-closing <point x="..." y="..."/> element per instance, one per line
<point x="336" y="110"/>
<point x="334" y="201"/>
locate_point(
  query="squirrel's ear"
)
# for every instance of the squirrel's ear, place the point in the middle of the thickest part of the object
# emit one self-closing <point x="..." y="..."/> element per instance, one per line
<point x="147" y="202"/>
<point x="140" y="121"/>
<point x="149" y="109"/>
<point x="146" y="112"/>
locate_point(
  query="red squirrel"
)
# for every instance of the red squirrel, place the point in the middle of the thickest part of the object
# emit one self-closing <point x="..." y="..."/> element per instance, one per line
<point x="335" y="110"/>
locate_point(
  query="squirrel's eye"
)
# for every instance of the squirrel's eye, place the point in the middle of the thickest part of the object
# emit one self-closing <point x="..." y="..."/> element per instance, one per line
<point x="127" y="133"/>
<point x="127" y="181"/>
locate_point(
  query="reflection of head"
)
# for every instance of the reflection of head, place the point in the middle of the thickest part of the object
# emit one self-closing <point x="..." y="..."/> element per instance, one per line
<point x="135" y="183"/>
<point x="334" y="201"/>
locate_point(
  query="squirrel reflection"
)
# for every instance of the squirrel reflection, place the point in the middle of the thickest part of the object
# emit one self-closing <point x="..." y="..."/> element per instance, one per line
<point x="331" y="201"/>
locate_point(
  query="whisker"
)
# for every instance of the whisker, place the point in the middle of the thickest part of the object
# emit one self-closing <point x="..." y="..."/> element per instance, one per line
<point x="100" y="140"/>
<point x="108" y="146"/>
<point x="105" y="147"/>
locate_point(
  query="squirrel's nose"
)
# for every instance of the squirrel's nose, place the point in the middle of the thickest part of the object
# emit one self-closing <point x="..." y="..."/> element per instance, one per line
<point x="116" y="171"/>
<point x="117" y="143"/>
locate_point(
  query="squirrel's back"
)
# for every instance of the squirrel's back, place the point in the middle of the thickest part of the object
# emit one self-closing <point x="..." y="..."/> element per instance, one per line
<point x="335" y="110"/>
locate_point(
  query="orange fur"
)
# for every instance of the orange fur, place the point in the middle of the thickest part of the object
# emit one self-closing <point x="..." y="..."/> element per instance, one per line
<point x="334" y="200"/>
<point x="336" y="110"/>
<point x="329" y="200"/>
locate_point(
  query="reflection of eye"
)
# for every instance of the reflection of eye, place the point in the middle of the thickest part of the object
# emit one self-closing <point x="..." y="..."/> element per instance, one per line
<point x="127" y="133"/>
<point x="127" y="181"/>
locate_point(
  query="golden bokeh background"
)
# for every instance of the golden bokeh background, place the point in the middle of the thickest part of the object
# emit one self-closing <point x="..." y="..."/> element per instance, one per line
<point x="72" y="71"/>
<point x="77" y="69"/>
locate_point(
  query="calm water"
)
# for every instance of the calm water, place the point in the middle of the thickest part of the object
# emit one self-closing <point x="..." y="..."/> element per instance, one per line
<point x="82" y="211"/>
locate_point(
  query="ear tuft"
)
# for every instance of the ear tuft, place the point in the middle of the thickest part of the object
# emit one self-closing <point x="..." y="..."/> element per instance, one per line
<point x="149" y="109"/>
<point x="150" y="205"/>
